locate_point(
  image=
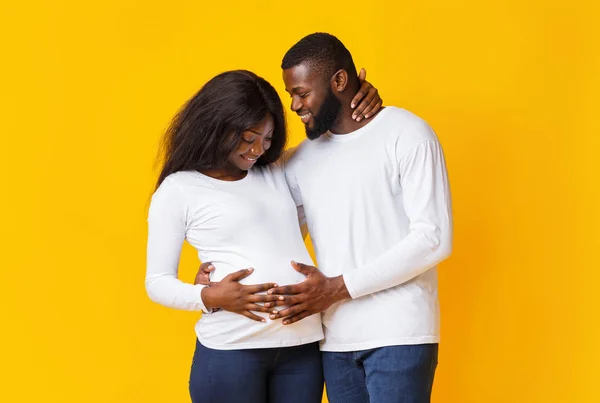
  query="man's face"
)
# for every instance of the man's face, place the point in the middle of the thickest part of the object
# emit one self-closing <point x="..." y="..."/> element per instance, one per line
<point x="312" y="99"/>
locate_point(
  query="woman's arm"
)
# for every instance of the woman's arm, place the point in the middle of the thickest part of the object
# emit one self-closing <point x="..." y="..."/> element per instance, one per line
<point x="167" y="225"/>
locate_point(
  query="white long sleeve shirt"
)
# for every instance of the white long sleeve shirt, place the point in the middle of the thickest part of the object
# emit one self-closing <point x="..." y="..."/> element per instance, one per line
<point x="252" y="222"/>
<point x="378" y="209"/>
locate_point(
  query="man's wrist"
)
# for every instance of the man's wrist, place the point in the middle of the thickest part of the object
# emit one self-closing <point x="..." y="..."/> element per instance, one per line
<point x="340" y="292"/>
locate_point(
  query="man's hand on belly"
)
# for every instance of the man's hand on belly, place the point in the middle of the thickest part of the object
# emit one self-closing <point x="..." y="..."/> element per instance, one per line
<point x="315" y="294"/>
<point x="203" y="275"/>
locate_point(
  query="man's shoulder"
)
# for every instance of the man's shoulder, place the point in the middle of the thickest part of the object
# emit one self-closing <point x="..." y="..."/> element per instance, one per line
<point x="401" y="118"/>
<point x="292" y="155"/>
<point x="407" y="127"/>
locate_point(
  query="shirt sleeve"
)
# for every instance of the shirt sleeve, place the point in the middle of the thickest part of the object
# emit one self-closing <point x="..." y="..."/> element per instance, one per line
<point x="288" y="164"/>
<point x="167" y="225"/>
<point x="426" y="197"/>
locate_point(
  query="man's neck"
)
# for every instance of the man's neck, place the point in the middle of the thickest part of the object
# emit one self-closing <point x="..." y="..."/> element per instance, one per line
<point x="345" y="124"/>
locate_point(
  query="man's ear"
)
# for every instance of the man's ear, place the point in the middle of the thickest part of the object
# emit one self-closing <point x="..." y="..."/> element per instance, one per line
<point x="339" y="81"/>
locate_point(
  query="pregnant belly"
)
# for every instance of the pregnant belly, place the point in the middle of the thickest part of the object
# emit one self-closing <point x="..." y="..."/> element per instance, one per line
<point x="278" y="271"/>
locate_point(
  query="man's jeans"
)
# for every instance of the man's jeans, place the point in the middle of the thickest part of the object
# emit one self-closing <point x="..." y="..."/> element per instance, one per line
<point x="396" y="374"/>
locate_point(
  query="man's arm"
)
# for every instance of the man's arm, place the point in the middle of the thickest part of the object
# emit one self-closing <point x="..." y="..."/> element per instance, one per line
<point x="287" y="165"/>
<point x="426" y="197"/>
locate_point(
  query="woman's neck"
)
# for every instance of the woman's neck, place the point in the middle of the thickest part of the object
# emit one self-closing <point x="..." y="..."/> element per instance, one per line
<point x="228" y="173"/>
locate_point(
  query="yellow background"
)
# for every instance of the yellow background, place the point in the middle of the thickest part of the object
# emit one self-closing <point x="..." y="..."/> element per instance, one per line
<point x="87" y="89"/>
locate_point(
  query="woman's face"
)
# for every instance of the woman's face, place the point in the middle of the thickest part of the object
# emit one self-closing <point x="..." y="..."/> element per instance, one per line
<point x="253" y="144"/>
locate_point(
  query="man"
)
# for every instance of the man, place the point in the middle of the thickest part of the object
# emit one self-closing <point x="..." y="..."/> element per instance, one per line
<point x="377" y="203"/>
<point x="376" y="200"/>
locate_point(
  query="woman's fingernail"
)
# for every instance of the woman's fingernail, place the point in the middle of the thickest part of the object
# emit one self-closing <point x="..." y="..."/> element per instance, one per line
<point x="281" y="298"/>
<point x="358" y="119"/>
<point x="263" y="320"/>
<point x="275" y="311"/>
<point x="353" y="105"/>
<point x="285" y="322"/>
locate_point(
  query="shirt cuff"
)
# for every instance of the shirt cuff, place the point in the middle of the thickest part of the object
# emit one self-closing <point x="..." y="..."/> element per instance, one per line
<point x="349" y="285"/>
<point x="198" y="293"/>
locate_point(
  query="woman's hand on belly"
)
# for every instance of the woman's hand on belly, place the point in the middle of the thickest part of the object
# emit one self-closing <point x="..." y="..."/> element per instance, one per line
<point x="229" y="295"/>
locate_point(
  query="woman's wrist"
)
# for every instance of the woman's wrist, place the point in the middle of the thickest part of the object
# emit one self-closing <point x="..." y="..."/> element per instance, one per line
<point x="208" y="299"/>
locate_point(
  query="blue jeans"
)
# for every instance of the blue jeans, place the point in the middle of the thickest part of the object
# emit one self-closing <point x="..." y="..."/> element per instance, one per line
<point x="266" y="375"/>
<point x="396" y="374"/>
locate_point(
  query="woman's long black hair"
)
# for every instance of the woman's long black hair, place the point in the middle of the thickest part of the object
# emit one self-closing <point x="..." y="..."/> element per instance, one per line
<point x="209" y="126"/>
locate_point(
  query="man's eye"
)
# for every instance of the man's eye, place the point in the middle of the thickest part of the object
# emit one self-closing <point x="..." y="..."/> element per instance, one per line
<point x="304" y="95"/>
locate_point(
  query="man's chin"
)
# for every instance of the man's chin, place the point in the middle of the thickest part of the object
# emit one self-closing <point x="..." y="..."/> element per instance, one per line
<point x="313" y="134"/>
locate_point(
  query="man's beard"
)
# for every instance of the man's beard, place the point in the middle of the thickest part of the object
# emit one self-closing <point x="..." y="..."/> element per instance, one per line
<point x="328" y="114"/>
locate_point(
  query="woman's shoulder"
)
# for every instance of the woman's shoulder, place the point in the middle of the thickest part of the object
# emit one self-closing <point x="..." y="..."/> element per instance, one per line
<point x="178" y="184"/>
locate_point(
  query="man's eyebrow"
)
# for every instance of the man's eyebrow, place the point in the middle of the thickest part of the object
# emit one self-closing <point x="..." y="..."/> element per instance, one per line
<point x="295" y="89"/>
